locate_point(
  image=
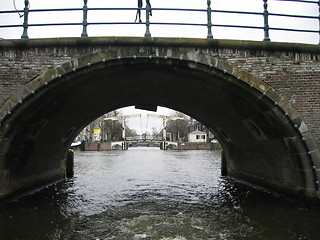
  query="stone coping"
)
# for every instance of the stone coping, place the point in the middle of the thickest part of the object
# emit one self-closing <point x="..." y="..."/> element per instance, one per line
<point x="159" y="41"/>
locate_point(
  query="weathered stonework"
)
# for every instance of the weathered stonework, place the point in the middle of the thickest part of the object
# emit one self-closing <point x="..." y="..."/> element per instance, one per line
<point x="292" y="70"/>
<point x="260" y="99"/>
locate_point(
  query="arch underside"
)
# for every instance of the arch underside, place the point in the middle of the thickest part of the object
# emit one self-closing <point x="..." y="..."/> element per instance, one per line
<point x="264" y="140"/>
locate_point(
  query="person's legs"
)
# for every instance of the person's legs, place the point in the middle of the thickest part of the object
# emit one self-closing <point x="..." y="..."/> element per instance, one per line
<point x="148" y="3"/>
<point x="139" y="11"/>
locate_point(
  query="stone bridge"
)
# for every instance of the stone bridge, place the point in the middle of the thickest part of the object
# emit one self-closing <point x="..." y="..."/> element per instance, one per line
<point x="260" y="99"/>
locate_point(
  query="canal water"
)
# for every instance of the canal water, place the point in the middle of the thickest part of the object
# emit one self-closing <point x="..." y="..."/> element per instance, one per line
<point x="146" y="193"/>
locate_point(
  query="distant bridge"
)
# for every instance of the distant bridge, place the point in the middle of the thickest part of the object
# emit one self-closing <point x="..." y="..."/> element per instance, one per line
<point x="144" y="139"/>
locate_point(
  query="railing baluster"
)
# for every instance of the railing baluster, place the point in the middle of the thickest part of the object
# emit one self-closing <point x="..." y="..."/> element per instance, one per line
<point x="85" y="19"/>
<point x="148" y="9"/>
<point x="209" y="20"/>
<point x="319" y="21"/>
<point x="25" y="21"/>
<point x="266" y="21"/>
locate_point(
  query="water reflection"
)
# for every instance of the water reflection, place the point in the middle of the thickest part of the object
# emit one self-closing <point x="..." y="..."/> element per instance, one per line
<point x="145" y="193"/>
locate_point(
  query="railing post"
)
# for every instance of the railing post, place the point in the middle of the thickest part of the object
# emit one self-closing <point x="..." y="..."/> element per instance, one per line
<point x="266" y="22"/>
<point x="209" y="20"/>
<point x="85" y="19"/>
<point x="319" y="20"/>
<point x="148" y="10"/>
<point x="25" y="21"/>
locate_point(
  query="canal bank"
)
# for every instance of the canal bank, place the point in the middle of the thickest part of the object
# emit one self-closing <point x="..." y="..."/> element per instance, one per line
<point x="120" y="145"/>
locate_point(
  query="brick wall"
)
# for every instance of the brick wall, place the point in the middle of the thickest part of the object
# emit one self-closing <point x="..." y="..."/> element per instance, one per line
<point x="296" y="76"/>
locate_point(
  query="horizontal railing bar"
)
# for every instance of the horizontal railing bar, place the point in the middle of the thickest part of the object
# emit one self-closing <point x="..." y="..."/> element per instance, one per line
<point x="297" y="1"/>
<point x="236" y="26"/>
<point x="236" y="12"/>
<point x="53" y="24"/>
<point x="115" y="23"/>
<point x="10" y="26"/>
<point x="128" y="23"/>
<point x="162" y="9"/>
<point x="294" y="16"/>
<point x="157" y="9"/>
<point x="153" y="9"/>
<point x="11" y="11"/>
<point x="153" y="23"/>
<point x="55" y="9"/>
<point x="101" y="23"/>
<point x="294" y="30"/>
<point x="158" y="23"/>
<point x="200" y="24"/>
<point x="102" y="9"/>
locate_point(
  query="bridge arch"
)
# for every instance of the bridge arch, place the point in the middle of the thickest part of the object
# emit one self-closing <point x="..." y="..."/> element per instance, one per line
<point x="264" y="139"/>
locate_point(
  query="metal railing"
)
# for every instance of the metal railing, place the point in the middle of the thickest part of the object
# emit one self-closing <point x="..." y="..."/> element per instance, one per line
<point x="208" y="24"/>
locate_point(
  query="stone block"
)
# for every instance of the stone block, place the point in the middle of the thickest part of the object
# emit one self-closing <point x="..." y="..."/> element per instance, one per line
<point x="295" y="144"/>
<point x="287" y="109"/>
<point x="309" y="141"/>
<point x="302" y="160"/>
<point x="274" y="95"/>
<point x="315" y="156"/>
<point x="309" y="181"/>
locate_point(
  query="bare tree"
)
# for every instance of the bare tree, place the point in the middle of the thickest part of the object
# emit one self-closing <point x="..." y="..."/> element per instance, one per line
<point x="178" y="128"/>
<point x="113" y="129"/>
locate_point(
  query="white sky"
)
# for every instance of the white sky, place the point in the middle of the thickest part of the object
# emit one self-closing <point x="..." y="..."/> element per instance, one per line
<point x="145" y="123"/>
<point x="274" y="6"/>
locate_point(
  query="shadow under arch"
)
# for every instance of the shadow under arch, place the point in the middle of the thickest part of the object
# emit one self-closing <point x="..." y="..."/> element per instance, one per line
<point x="264" y="139"/>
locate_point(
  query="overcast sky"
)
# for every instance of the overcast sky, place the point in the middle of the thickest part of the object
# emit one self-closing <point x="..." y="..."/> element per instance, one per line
<point x="274" y="6"/>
